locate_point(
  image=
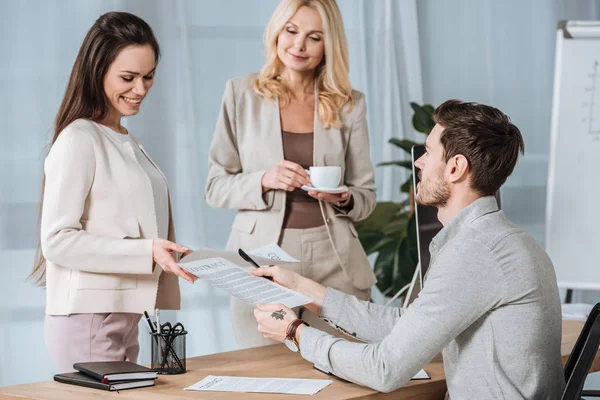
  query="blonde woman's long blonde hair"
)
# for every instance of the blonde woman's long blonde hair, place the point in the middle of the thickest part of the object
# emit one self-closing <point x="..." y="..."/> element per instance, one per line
<point x="331" y="75"/>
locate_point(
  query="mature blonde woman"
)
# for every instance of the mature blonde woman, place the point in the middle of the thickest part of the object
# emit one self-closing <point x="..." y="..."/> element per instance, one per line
<point x="299" y="111"/>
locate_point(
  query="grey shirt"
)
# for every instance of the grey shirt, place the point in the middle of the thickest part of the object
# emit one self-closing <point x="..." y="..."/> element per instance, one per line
<point x="489" y="301"/>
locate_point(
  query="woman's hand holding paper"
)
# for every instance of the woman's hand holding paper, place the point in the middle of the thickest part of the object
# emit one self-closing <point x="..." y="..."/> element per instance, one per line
<point x="161" y="254"/>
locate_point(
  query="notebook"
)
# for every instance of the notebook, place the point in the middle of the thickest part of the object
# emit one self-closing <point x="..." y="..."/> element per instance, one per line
<point x="77" y="378"/>
<point x="109" y="371"/>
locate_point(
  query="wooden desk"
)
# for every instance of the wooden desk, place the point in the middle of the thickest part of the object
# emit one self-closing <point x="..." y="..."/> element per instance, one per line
<point x="271" y="361"/>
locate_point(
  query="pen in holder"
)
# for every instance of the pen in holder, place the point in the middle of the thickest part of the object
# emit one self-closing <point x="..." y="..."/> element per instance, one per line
<point x="168" y="349"/>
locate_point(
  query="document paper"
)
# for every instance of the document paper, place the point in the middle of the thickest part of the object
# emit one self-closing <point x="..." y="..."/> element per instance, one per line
<point x="260" y="385"/>
<point x="238" y="282"/>
<point x="421" y="375"/>
<point x="273" y="252"/>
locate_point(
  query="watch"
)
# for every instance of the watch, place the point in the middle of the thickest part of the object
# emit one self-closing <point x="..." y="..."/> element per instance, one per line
<point x="290" y="336"/>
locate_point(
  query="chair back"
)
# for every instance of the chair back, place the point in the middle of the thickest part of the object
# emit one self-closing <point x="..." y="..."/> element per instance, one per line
<point x="582" y="356"/>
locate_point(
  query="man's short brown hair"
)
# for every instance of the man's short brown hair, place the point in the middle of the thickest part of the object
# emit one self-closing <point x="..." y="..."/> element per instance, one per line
<point x="485" y="136"/>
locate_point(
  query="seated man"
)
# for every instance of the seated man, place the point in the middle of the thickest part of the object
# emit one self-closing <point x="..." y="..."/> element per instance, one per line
<point x="489" y="301"/>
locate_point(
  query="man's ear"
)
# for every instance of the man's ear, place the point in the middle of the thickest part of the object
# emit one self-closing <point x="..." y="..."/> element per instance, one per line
<point x="458" y="168"/>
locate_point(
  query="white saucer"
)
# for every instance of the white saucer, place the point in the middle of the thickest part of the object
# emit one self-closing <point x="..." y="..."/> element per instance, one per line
<point x="339" y="189"/>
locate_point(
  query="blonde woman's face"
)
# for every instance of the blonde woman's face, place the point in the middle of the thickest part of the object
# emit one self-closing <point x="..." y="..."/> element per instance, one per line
<point x="129" y="78"/>
<point x="300" y="45"/>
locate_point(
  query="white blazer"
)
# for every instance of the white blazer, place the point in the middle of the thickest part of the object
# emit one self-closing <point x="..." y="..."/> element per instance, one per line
<point x="98" y="223"/>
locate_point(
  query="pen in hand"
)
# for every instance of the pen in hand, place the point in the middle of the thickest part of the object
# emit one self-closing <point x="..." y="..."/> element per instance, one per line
<point x="247" y="258"/>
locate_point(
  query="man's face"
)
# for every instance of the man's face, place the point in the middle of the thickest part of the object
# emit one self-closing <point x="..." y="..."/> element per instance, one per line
<point x="433" y="189"/>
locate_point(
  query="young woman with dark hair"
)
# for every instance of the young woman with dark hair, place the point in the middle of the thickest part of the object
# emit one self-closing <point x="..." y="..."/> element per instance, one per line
<point x="106" y="232"/>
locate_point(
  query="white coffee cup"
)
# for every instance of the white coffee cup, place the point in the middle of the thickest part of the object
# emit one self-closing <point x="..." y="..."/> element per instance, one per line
<point x="325" y="177"/>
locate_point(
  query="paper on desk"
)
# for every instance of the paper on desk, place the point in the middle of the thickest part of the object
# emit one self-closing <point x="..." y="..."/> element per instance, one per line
<point x="237" y="281"/>
<point x="421" y="375"/>
<point x="260" y="385"/>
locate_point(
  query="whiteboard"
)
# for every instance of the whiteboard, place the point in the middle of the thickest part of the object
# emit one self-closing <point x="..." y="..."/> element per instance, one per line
<point x="573" y="191"/>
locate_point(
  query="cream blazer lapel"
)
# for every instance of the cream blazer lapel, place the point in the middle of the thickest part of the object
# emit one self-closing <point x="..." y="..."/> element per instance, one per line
<point x="150" y="159"/>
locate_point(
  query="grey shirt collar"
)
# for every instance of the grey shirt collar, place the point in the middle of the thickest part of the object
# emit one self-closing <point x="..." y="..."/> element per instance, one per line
<point x="481" y="206"/>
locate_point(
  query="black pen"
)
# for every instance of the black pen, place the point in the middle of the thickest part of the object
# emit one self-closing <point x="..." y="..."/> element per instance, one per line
<point x="150" y="324"/>
<point x="246" y="257"/>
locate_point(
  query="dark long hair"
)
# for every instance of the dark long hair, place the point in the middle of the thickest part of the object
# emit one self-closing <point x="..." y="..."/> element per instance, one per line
<point x="84" y="96"/>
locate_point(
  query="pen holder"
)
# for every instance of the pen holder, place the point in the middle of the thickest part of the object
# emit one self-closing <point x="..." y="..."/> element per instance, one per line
<point x="168" y="353"/>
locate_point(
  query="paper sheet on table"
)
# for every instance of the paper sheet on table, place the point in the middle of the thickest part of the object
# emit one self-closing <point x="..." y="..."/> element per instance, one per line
<point x="421" y="375"/>
<point x="237" y="281"/>
<point x="260" y="385"/>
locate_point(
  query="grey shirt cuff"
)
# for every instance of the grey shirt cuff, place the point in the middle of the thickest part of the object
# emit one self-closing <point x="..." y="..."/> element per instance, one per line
<point x="333" y="305"/>
<point x="309" y="343"/>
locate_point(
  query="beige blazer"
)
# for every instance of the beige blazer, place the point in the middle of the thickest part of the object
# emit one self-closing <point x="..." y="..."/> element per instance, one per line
<point x="247" y="142"/>
<point x="98" y="222"/>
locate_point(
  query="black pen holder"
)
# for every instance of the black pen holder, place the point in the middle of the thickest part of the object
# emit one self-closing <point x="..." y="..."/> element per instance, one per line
<point x="168" y="353"/>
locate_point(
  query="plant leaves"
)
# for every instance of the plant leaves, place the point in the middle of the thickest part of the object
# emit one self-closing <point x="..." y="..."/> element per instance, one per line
<point x="422" y="118"/>
<point x="404" y="144"/>
<point x="396" y="229"/>
<point x="372" y="241"/>
<point x="428" y="108"/>
<point x="384" y="265"/>
<point x="399" y="249"/>
<point x="411" y="239"/>
<point x="381" y="216"/>
<point x="398" y="257"/>
<point x="405" y="266"/>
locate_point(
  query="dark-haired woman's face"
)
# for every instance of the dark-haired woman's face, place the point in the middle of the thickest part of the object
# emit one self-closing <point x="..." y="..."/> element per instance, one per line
<point x="129" y="79"/>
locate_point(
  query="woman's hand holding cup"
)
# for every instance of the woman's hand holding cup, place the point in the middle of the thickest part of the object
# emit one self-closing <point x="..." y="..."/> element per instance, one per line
<point x="285" y="176"/>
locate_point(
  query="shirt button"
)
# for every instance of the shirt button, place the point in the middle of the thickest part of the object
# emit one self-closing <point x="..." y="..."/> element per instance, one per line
<point x="328" y="220"/>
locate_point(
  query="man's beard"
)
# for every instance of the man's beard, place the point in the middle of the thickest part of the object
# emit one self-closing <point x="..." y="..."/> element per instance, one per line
<point x="435" y="194"/>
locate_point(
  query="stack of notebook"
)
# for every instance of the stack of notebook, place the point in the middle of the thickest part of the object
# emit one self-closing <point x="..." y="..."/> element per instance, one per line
<point x="109" y="375"/>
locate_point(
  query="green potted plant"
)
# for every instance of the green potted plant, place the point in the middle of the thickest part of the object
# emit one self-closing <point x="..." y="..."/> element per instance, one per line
<point x="390" y="230"/>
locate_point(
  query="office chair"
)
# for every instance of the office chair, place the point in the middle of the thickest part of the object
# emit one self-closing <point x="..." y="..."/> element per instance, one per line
<point x="582" y="357"/>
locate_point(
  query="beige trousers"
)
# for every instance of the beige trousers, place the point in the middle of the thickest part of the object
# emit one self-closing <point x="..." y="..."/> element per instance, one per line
<point x="318" y="262"/>
<point x="79" y="338"/>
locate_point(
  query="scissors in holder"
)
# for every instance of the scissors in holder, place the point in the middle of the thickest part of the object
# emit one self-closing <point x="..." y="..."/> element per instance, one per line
<point x="169" y="333"/>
